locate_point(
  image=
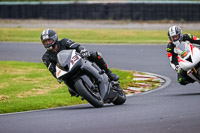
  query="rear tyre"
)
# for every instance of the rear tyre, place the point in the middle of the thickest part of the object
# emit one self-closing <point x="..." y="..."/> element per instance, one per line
<point x="94" y="98"/>
<point x="121" y="96"/>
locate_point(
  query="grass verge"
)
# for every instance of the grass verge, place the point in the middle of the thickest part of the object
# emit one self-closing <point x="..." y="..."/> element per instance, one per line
<point x="30" y="86"/>
<point x="90" y="35"/>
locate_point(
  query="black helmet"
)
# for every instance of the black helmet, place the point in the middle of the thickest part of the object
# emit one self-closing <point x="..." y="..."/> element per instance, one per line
<point x="49" y="34"/>
<point x="175" y="35"/>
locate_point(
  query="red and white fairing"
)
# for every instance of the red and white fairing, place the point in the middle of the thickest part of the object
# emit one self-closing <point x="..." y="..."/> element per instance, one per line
<point x="189" y="61"/>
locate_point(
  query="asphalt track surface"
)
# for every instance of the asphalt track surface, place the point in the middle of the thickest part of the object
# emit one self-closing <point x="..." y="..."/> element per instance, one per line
<point x="170" y="109"/>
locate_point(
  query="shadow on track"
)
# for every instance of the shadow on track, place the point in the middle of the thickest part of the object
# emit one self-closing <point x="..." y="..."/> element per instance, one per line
<point x="86" y="107"/>
<point x="186" y="94"/>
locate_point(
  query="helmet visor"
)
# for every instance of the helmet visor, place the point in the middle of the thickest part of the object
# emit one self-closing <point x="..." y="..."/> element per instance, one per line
<point x="175" y="37"/>
<point x="48" y="44"/>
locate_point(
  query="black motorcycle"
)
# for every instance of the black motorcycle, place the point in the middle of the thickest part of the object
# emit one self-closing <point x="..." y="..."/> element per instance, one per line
<point x="86" y="79"/>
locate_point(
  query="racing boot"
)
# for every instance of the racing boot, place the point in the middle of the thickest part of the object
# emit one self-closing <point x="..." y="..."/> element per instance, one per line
<point x="111" y="75"/>
<point x="183" y="79"/>
<point x="97" y="58"/>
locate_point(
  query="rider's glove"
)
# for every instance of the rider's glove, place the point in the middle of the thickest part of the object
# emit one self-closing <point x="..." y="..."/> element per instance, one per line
<point x="178" y="68"/>
<point x="84" y="53"/>
<point x="187" y="37"/>
<point x="59" y="80"/>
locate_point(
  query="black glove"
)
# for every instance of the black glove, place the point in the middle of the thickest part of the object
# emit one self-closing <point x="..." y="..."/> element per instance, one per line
<point x="178" y="69"/>
<point x="187" y="37"/>
<point x="84" y="53"/>
<point x="60" y="81"/>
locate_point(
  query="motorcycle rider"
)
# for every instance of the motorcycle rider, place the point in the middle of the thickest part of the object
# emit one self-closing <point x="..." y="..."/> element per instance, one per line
<point x="176" y="37"/>
<point x="50" y="41"/>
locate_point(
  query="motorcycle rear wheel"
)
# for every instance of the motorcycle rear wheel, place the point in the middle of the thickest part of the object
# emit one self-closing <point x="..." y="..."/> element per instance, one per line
<point x="92" y="97"/>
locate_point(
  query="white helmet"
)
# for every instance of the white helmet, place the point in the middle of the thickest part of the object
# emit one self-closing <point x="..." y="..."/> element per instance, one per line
<point x="175" y="35"/>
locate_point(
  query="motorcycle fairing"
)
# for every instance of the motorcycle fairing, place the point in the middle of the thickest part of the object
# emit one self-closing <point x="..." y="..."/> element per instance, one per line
<point x="68" y="58"/>
<point x="60" y="73"/>
<point x="101" y="78"/>
<point x="87" y="81"/>
<point x="71" y="59"/>
<point x="191" y="59"/>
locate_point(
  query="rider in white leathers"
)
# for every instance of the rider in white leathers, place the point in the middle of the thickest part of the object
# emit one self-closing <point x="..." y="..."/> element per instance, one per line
<point x="176" y="37"/>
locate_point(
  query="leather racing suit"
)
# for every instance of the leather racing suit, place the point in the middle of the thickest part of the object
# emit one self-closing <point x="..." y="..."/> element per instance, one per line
<point x="50" y="58"/>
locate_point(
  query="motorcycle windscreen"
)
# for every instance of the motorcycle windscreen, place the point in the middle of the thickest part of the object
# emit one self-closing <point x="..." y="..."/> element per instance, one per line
<point x="64" y="57"/>
<point x="183" y="47"/>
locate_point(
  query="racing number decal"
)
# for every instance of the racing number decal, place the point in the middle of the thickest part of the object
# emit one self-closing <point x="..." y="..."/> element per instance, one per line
<point x="74" y="59"/>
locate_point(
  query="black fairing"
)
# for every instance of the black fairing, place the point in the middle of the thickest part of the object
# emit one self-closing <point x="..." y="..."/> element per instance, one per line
<point x="64" y="58"/>
<point x="93" y="70"/>
<point x="83" y="67"/>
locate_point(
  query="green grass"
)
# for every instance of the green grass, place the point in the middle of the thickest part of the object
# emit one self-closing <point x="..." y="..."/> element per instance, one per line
<point x="30" y="86"/>
<point x="90" y="35"/>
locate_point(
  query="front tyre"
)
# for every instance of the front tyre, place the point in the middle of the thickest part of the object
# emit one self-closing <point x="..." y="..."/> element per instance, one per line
<point x="121" y="96"/>
<point x="88" y="94"/>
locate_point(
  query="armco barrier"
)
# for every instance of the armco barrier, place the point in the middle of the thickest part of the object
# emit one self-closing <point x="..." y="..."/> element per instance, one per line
<point x="112" y="11"/>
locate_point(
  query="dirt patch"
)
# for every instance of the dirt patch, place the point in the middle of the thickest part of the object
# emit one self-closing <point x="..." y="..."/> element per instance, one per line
<point x="39" y="90"/>
<point x="4" y="97"/>
<point x="4" y="85"/>
<point x="25" y="80"/>
<point x="33" y="92"/>
<point x="10" y="70"/>
<point x="5" y="69"/>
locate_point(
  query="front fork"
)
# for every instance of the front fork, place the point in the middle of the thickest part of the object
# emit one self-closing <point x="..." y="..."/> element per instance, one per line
<point x="194" y="74"/>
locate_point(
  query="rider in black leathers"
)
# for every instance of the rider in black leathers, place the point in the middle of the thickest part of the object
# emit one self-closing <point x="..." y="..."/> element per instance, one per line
<point x="176" y="37"/>
<point x="50" y="41"/>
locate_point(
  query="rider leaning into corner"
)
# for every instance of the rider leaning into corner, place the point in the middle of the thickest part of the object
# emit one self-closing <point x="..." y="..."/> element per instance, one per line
<point x="176" y="37"/>
<point x="50" y="41"/>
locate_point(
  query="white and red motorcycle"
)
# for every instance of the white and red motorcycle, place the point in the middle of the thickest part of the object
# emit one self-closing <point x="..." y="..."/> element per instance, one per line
<point x="189" y="59"/>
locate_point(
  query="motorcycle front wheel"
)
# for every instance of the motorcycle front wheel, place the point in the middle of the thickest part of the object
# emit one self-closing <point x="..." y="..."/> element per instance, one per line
<point x="94" y="98"/>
